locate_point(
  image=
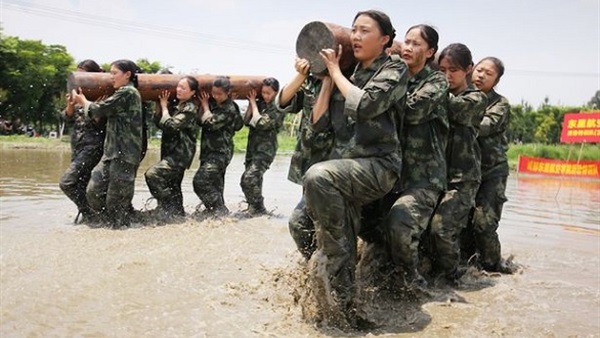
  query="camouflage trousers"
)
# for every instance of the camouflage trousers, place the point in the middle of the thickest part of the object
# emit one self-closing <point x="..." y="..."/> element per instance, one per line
<point x="334" y="191"/>
<point x="164" y="183"/>
<point x="75" y="179"/>
<point x="405" y="223"/>
<point x="111" y="189"/>
<point x="449" y="220"/>
<point x="481" y="234"/>
<point x="252" y="182"/>
<point x="302" y="230"/>
<point x="209" y="184"/>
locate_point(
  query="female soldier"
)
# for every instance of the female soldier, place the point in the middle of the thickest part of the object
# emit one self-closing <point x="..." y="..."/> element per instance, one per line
<point x="368" y="161"/>
<point x="264" y="122"/>
<point x="219" y="118"/>
<point x="177" y="149"/>
<point x="301" y="93"/>
<point x="423" y="142"/>
<point x="111" y="187"/>
<point x="463" y="157"/>
<point x="87" y="141"/>
<point x="482" y="236"/>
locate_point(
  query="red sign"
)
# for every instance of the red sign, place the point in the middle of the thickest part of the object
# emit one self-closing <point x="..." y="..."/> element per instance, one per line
<point x="544" y="166"/>
<point x="581" y="128"/>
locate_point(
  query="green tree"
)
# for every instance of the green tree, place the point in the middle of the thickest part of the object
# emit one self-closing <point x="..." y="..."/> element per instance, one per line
<point x="32" y="79"/>
<point x="595" y="101"/>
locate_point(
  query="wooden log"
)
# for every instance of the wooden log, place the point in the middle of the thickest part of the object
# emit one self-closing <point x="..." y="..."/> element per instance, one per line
<point x="317" y="35"/>
<point x="94" y="85"/>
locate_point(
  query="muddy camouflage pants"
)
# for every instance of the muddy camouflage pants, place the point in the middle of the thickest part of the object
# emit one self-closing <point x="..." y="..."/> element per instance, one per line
<point x="405" y="223"/>
<point x="209" y="184"/>
<point x="164" y="183"/>
<point x="450" y="219"/>
<point x="110" y="190"/>
<point x="252" y="182"/>
<point x="481" y="234"/>
<point x="75" y="179"/>
<point x="334" y="191"/>
<point x="302" y="230"/>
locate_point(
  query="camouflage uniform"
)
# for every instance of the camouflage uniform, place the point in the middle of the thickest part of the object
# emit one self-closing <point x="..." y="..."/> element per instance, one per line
<point x="177" y="149"/>
<point x="111" y="187"/>
<point x="311" y="147"/>
<point x="463" y="158"/>
<point x="87" y="141"/>
<point x="481" y="235"/>
<point x="216" y="151"/>
<point x="260" y="152"/>
<point x="423" y="141"/>
<point x="366" y="165"/>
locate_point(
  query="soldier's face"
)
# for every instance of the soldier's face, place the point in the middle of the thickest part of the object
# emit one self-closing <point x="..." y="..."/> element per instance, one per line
<point x="118" y="78"/>
<point x="485" y="76"/>
<point x="367" y="40"/>
<point x="415" y="50"/>
<point x="456" y="76"/>
<point x="184" y="92"/>
<point x="267" y="93"/>
<point x="218" y="94"/>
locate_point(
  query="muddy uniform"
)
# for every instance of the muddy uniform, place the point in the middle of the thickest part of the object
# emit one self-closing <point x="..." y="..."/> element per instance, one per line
<point x="311" y="147"/>
<point x="260" y="152"/>
<point x="177" y="149"/>
<point x="463" y="158"/>
<point x="87" y="142"/>
<point x="482" y="235"/>
<point x="368" y="165"/>
<point x="111" y="187"/>
<point x="216" y="152"/>
<point x="423" y="141"/>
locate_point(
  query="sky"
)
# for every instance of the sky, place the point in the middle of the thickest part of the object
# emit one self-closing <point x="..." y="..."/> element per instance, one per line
<point x="550" y="48"/>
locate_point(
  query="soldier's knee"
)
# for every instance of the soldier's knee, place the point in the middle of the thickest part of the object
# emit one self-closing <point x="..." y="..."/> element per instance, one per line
<point x="316" y="177"/>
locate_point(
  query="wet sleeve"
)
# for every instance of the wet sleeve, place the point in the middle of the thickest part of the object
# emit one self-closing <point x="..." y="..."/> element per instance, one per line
<point x="293" y="106"/>
<point x="183" y="119"/>
<point x="422" y="104"/>
<point x="221" y="118"/>
<point x="109" y="107"/>
<point x="495" y="119"/>
<point x="463" y="109"/>
<point x="267" y="120"/>
<point x="379" y="94"/>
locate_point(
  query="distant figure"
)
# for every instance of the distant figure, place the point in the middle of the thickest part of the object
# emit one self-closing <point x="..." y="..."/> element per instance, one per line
<point x="87" y="143"/>
<point x="264" y="122"/>
<point x="111" y="187"/>
<point x="220" y="118"/>
<point x="177" y="148"/>
<point x="466" y="106"/>
<point x="481" y="235"/>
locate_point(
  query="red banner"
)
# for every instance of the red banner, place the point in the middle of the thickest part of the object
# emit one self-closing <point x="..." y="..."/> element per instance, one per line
<point x="544" y="166"/>
<point x="581" y="128"/>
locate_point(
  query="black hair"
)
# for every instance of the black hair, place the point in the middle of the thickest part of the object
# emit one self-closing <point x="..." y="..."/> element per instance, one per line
<point x="125" y="65"/>
<point x="222" y="82"/>
<point x="430" y="35"/>
<point x="384" y="22"/>
<point x="497" y="63"/>
<point x="271" y="82"/>
<point x="193" y="83"/>
<point x="458" y="54"/>
<point x="91" y="66"/>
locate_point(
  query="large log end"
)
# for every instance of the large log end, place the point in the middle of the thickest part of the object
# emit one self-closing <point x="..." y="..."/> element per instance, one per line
<point x="314" y="37"/>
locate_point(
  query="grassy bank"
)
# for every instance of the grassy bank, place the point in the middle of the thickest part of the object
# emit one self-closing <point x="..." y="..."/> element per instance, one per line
<point x="287" y="143"/>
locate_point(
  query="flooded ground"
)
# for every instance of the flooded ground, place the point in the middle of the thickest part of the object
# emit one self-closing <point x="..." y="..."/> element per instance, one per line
<point x="238" y="278"/>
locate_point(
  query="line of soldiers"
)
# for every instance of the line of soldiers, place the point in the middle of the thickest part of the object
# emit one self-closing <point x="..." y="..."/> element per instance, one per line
<point x="109" y="142"/>
<point x="407" y="154"/>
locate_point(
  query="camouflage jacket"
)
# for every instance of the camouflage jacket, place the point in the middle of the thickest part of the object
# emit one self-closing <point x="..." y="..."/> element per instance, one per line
<point x="124" y="134"/>
<point x="463" y="154"/>
<point x="262" y="137"/>
<point x="425" y="132"/>
<point x="180" y="133"/>
<point x="87" y="132"/>
<point x="492" y="136"/>
<point x="365" y="124"/>
<point x="311" y="147"/>
<point x="216" y="142"/>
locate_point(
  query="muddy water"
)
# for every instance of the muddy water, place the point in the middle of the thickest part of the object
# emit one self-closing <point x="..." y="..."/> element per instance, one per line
<point x="237" y="278"/>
